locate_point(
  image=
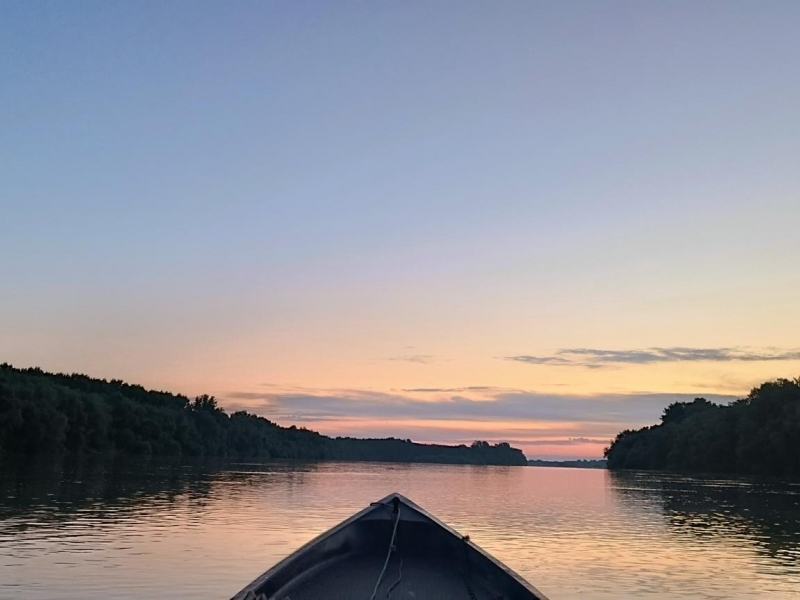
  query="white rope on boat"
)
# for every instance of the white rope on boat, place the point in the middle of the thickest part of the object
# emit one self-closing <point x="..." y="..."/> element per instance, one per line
<point x="389" y="553"/>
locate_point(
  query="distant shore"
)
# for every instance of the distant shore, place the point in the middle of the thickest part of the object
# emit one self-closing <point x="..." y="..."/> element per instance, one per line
<point x="54" y="413"/>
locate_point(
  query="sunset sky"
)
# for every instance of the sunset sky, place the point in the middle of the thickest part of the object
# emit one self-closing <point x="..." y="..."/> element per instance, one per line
<point x="538" y="222"/>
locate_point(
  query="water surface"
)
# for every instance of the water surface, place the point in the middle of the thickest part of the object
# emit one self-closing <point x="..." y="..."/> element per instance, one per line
<point x="151" y="529"/>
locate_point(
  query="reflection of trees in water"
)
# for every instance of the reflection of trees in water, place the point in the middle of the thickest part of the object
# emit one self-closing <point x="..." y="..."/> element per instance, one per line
<point x="54" y="489"/>
<point x="765" y="514"/>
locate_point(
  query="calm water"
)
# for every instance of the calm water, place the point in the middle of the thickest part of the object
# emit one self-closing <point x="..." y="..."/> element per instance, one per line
<point x="152" y="530"/>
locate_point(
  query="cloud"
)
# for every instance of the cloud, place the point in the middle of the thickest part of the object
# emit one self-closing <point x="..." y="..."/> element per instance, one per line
<point x="574" y="441"/>
<point x="594" y="358"/>
<point x="424" y="359"/>
<point x="570" y="441"/>
<point x="540" y="360"/>
<point x="471" y="388"/>
<point x="501" y="407"/>
<point x="728" y="382"/>
<point x="552" y="425"/>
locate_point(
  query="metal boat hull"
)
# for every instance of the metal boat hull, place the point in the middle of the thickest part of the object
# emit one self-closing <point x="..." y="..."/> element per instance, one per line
<point x="353" y="561"/>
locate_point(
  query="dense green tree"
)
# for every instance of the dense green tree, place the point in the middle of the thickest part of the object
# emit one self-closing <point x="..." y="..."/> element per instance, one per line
<point x="44" y="413"/>
<point x="757" y="435"/>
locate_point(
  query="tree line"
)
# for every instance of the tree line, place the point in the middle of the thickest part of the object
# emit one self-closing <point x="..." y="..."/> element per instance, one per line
<point x="756" y="435"/>
<point x="43" y="413"/>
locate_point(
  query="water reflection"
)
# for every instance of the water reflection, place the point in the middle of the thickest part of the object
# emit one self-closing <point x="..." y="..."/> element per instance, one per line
<point x="43" y="491"/>
<point x="76" y="481"/>
<point x="123" y="530"/>
<point x="765" y="515"/>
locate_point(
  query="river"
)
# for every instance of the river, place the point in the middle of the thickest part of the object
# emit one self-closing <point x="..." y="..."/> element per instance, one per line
<point x="152" y="529"/>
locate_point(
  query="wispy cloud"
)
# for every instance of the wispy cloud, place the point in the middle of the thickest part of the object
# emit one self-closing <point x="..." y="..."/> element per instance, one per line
<point x="730" y="383"/>
<point x="456" y="390"/>
<point x="558" y="360"/>
<point x="500" y="407"/>
<point x="424" y="359"/>
<point x="540" y="360"/>
<point x="540" y="423"/>
<point x="575" y="441"/>
<point x="595" y="358"/>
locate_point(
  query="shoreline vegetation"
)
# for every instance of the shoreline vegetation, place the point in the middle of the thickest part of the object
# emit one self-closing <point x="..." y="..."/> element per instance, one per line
<point x="47" y="413"/>
<point x="756" y="435"/>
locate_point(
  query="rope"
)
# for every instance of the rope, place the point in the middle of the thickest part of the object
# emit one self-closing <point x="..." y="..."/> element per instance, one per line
<point x="396" y="583"/>
<point x="389" y="553"/>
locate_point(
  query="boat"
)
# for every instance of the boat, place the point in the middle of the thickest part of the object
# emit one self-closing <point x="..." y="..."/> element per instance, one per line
<point x="393" y="549"/>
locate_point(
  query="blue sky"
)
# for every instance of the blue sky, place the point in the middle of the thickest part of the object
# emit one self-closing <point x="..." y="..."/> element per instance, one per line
<point x="209" y="197"/>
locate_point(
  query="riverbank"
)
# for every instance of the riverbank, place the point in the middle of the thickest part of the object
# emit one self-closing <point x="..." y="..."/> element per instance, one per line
<point x="54" y="413"/>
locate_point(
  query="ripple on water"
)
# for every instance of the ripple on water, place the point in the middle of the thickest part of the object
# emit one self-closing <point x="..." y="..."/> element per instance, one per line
<point x="202" y="531"/>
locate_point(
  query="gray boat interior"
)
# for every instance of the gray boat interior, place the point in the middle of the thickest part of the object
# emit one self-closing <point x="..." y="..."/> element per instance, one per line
<point x="427" y="560"/>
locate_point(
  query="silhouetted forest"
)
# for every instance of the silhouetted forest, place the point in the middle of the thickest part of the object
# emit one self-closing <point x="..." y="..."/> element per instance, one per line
<point x="44" y="413"/>
<point x="757" y="435"/>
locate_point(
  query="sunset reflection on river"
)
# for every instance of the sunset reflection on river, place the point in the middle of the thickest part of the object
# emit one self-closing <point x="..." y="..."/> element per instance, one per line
<point x="153" y="529"/>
